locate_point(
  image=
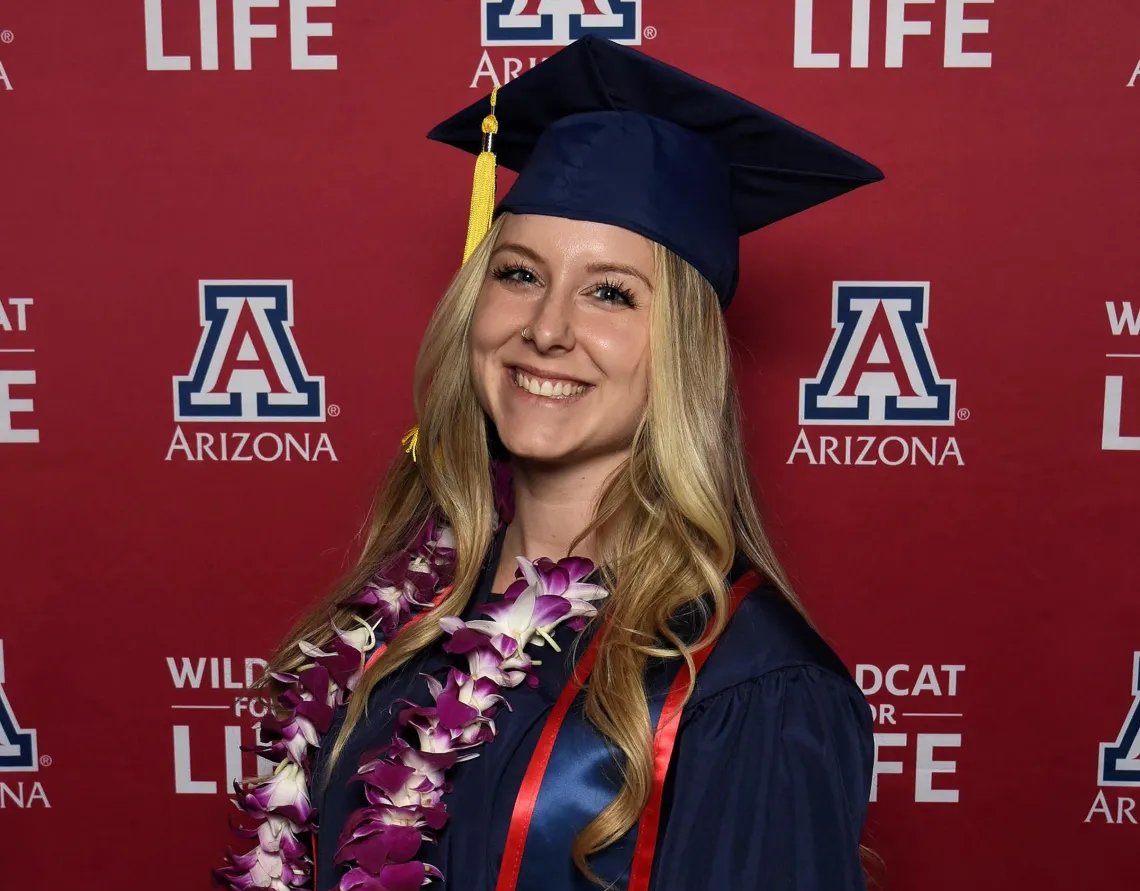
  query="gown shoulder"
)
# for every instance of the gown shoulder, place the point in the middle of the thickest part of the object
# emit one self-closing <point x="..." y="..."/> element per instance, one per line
<point x="766" y="634"/>
<point x="772" y="769"/>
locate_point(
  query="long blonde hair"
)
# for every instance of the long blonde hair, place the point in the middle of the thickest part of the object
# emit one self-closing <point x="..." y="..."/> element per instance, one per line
<point x="668" y="524"/>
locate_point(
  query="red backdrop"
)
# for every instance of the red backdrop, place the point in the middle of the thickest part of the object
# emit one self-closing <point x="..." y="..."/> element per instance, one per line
<point x="949" y="456"/>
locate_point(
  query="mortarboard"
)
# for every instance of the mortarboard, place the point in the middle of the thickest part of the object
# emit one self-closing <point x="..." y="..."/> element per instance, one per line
<point x="604" y="133"/>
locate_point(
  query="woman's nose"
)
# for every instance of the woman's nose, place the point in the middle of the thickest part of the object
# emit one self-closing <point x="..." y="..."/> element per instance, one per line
<point x="552" y="326"/>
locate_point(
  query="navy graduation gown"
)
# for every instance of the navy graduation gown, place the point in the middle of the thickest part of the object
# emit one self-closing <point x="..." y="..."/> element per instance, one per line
<point x="767" y="790"/>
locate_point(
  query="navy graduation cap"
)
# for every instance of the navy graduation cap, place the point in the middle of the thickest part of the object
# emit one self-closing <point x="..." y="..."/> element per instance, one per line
<point x="604" y="133"/>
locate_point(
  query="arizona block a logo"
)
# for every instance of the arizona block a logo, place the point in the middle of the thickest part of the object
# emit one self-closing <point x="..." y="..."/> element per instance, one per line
<point x="878" y="369"/>
<point x="17" y="746"/>
<point x="247" y="367"/>
<point x="1118" y="768"/>
<point x="559" y="22"/>
<point x="878" y="372"/>
<point x="1120" y="760"/>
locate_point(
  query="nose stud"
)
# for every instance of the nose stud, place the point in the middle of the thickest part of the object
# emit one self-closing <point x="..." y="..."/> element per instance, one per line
<point x="526" y="335"/>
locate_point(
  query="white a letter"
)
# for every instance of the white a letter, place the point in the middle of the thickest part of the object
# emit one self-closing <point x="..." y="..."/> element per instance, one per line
<point x="957" y="25"/>
<point x="804" y="57"/>
<point x="1131" y="83"/>
<point x="1100" y="806"/>
<point x="22" y="304"/>
<point x="486" y="69"/>
<point x="898" y="27"/>
<point x="155" y="59"/>
<point x="245" y="31"/>
<point x="301" y="29"/>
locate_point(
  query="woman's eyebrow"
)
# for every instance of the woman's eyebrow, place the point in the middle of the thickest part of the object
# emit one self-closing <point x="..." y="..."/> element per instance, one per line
<point x="520" y="249"/>
<point x="619" y="267"/>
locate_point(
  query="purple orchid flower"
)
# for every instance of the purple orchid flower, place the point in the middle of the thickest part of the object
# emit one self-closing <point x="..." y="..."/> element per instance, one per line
<point x="426" y="767"/>
<point x="287" y="741"/>
<point x="278" y="862"/>
<point x="400" y="877"/>
<point x="390" y="602"/>
<point x="284" y="792"/>
<point x="563" y="578"/>
<point x="410" y="579"/>
<point x="263" y="869"/>
<point x="514" y="623"/>
<point x="373" y="843"/>
<point x="343" y="662"/>
<point x="479" y="694"/>
<point x="312" y="702"/>
<point x="485" y="663"/>
<point x="416" y="781"/>
<point x="308" y="704"/>
<point x="434" y="737"/>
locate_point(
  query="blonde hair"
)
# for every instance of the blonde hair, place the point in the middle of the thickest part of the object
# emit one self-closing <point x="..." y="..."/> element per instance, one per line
<point x="668" y="524"/>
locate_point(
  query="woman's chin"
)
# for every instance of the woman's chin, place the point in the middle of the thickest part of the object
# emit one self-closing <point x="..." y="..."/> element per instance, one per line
<point x="539" y="446"/>
<point x="540" y="453"/>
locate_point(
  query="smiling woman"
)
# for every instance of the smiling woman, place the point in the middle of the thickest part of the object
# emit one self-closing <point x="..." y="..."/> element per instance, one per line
<point x="685" y="728"/>
<point x="560" y="340"/>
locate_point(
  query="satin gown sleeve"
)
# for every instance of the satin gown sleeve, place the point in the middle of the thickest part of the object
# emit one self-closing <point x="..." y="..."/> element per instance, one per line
<point x="770" y="788"/>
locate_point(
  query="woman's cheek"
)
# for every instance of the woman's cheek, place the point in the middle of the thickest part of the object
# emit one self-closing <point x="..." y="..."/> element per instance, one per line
<point x="632" y="349"/>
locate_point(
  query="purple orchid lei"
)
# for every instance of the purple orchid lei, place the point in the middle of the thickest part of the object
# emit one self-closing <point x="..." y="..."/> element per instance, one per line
<point x="405" y="784"/>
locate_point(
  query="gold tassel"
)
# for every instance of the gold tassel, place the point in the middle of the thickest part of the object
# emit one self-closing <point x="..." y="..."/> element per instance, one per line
<point x="411" y="440"/>
<point x="479" y="222"/>
<point x="483" y="191"/>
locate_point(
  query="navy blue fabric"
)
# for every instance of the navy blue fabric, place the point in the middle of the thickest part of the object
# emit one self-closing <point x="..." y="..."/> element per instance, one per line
<point x="581" y="779"/>
<point x="604" y="133"/>
<point x="767" y="792"/>
<point x="659" y="180"/>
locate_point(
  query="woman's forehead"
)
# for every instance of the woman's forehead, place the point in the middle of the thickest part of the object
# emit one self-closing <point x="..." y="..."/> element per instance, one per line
<point x="559" y="240"/>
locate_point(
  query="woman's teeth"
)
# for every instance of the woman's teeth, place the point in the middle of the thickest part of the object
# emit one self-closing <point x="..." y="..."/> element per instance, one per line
<point x="551" y="389"/>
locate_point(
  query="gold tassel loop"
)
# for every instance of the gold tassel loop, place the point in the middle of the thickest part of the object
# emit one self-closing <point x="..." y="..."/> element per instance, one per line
<point x="411" y="440"/>
<point x="483" y="190"/>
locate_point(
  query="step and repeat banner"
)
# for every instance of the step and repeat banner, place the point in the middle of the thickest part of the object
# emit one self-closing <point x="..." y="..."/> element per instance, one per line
<point x="221" y="236"/>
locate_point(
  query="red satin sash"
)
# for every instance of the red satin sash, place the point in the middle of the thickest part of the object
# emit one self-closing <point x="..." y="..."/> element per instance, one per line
<point x="664" y="740"/>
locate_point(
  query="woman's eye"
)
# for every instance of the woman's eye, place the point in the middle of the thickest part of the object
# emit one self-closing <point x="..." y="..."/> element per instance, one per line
<point x="614" y="294"/>
<point x="516" y="274"/>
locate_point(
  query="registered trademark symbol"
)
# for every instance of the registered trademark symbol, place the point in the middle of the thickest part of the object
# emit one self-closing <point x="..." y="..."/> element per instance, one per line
<point x="6" y="36"/>
<point x="963" y="414"/>
<point x="45" y="760"/>
<point x="334" y="410"/>
<point x="650" y="33"/>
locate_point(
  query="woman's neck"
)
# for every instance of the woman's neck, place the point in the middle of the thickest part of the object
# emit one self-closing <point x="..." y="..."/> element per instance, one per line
<point x="553" y="505"/>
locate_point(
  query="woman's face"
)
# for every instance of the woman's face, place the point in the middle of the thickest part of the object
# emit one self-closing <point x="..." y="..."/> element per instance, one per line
<point x="576" y="386"/>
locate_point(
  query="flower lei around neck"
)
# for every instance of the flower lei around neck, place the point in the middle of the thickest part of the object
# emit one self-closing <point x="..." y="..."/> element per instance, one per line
<point x="405" y="782"/>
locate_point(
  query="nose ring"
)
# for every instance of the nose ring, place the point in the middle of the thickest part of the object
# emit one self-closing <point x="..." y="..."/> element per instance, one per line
<point x="526" y="333"/>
